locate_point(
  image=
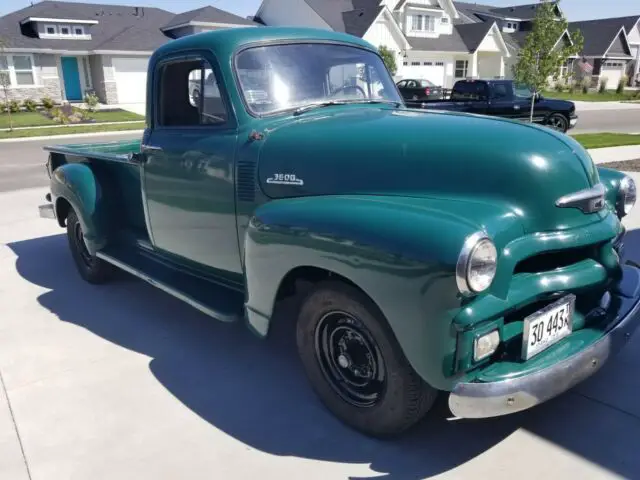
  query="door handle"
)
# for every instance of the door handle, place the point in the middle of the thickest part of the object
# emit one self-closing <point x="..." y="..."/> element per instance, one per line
<point x="150" y="148"/>
<point x="137" y="157"/>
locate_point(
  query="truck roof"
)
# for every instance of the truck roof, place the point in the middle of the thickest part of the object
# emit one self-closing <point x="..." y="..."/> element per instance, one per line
<point x="226" y="41"/>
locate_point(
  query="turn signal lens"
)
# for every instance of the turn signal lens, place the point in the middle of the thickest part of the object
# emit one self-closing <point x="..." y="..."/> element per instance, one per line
<point x="485" y="345"/>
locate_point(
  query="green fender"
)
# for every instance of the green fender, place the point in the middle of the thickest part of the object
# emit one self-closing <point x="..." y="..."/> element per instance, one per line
<point x="76" y="184"/>
<point x="400" y="251"/>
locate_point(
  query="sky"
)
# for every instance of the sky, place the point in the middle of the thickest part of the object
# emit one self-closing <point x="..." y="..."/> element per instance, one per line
<point x="574" y="9"/>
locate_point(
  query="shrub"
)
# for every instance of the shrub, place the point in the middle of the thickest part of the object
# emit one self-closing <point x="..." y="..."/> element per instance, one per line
<point x="3" y="107"/>
<point x="621" y="84"/>
<point x="586" y="85"/>
<point x="14" y="106"/>
<point x="47" y="103"/>
<point x="91" y="100"/>
<point x="29" y="105"/>
<point x="58" y="115"/>
<point x="603" y="85"/>
<point x="572" y="86"/>
<point x="559" y="85"/>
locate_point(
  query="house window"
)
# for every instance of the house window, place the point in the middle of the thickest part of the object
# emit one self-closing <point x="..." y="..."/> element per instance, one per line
<point x="51" y="30"/>
<point x="424" y="23"/>
<point x="405" y="63"/>
<point x="461" y="68"/>
<point x="444" y="20"/>
<point x="515" y="26"/>
<point x="508" y="25"/>
<point x="16" y="70"/>
<point x="87" y="75"/>
<point x="65" y="31"/>
<point x="78" y="31"/>
<point x="428" y="63"/>
<point x="415" y="64"/>
<point x="439" y="64"/>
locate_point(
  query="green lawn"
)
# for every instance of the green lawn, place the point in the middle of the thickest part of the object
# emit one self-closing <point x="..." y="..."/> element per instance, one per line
<point x="46" y="132"/>
<point x="37" y="119"/>
<point x="25" y="119"/>
<point x="115" y="116"/>
<point x="608" y="96"/>
<point x="601" y="140"/>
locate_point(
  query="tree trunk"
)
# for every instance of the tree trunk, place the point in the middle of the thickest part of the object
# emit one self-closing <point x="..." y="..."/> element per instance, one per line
<point x="533" y="102"/>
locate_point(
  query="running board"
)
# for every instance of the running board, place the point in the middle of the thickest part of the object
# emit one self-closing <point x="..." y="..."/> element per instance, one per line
<point x="212" y="299"/>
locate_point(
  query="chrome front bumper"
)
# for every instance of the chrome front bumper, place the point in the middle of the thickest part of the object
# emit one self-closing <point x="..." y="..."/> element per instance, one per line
<point x="573" y="122"/>
<point x="481" y="400"/>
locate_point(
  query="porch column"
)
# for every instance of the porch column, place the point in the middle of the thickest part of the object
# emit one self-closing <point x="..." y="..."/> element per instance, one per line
<point x="474" y="65"/>
<point x="501" y="66"/>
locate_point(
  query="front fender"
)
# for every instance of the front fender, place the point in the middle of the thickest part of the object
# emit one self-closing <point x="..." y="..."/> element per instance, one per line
<point x="611" y="180"/>
<point x="77" y="184"/>
<point x="400" y="251"/>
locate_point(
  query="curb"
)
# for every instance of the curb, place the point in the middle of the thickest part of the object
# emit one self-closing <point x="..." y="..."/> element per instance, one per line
<point x="71" y="135"/>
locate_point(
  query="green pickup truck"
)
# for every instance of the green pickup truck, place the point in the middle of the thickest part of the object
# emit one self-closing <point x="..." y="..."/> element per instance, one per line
<point x="430" y="251"/>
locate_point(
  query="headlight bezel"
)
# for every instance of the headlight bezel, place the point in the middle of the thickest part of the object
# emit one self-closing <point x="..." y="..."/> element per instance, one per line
<point x="469" y="248"/>
<point x="626" y="189"/>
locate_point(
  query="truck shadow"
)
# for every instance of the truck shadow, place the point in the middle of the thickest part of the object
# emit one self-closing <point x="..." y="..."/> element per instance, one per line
<point x="256" y="391"/>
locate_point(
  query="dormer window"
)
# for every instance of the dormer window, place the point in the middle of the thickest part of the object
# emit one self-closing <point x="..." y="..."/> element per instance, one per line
<point x="423" y="23"/>
<point x="51" y="30"/>
<point x="79" y="31"/>
<point x="65" y="31"/>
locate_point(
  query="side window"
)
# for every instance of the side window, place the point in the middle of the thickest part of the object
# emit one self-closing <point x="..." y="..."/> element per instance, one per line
<point x="523" y="91"/>
<point x="188" y="95"/>
<point x="500" y="91"/>
<point x="402" y="84"/>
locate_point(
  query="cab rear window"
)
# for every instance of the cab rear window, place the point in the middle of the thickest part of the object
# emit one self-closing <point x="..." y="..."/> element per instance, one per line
<point x="469" y="91"/>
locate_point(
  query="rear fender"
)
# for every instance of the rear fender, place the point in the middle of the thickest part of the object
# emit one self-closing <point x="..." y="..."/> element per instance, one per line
<point x="401" y="252"/>
<point x="77" y="184"/>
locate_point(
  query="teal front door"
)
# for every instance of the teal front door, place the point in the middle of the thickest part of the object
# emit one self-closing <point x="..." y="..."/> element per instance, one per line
<point x="71" y="76"/>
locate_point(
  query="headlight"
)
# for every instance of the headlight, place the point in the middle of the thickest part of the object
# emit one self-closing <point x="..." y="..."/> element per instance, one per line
<point x="476" y="264"/>
<point x="626" y="196"/>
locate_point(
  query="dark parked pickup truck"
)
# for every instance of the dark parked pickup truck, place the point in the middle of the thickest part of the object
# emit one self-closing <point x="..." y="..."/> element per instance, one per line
<point x="422" y="261"/>
<point x="503" y="98"/>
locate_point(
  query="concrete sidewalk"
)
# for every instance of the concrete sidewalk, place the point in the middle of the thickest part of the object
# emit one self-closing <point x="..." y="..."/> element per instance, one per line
<point x="615" y="154"/>
<point x="594" y="106"/>
<point x="122" y="381"/>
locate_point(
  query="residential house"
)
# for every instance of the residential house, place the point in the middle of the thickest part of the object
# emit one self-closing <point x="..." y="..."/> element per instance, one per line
<point x="63" y="49"/>
<point x="606" y="48"/>
<point x="632" y="27"/>
<point x="429" y="37"/>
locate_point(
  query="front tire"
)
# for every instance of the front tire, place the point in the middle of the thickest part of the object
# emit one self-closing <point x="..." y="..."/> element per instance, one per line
<point x="558" y="122"/>
<point x="91" y="268"/>
<point x="355" y="364"/>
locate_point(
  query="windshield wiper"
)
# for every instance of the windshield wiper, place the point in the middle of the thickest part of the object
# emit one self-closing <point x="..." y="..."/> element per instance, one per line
<point x="311" y="106"/>
<point x="329" y="103"/>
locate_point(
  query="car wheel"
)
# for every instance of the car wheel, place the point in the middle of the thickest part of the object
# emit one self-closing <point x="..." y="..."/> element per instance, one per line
<point x="355" y="364"/>
<point x="195" y="96"/>
<point x="558" y="122"/>
<point x="91" y="268"/>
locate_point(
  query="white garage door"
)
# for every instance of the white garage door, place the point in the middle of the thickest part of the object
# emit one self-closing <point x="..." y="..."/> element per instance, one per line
<point x="613" y="71"/>
<point x="131" y="78"/>
<point x="428" y="70"/>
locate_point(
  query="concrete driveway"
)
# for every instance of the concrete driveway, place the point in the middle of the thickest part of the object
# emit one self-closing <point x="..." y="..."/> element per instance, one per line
<point x="124" y="382"/>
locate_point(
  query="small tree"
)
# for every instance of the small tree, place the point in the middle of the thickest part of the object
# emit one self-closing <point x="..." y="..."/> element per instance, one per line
<point x="542" y="54"/>
<point x="5" y="82"/>
<point x="389" y="59"/>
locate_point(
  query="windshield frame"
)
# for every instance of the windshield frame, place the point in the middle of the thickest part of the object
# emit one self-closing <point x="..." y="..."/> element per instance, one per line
<point x="268" y="43"/>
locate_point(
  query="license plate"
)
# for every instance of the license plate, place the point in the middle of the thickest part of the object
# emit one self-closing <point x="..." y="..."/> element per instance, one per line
<point x="547" y="326"/>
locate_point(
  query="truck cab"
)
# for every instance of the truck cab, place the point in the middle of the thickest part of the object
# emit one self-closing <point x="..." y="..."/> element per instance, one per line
<point x="424" y="259"/>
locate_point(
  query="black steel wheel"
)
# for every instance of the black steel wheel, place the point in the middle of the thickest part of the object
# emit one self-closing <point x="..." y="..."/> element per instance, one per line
<point x="558" y="122"/>
<point x="355" y="364"/>
<point x="350" y="359"/>
<point x="90" y="267"/>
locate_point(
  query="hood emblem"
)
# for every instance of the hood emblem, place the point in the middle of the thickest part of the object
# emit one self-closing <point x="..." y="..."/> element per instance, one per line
<point x="589" y="200"/>
<point x="285" y="179"/>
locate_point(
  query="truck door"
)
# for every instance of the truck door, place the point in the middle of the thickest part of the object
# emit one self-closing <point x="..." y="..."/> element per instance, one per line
<point x="188" y="154"/>
<point x="504" y="103"/>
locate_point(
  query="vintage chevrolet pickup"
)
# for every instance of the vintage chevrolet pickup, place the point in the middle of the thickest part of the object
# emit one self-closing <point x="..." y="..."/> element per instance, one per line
<point x="426" y="256"/>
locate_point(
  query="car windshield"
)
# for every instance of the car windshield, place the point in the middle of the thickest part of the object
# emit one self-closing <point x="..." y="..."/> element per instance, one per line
<point x="282" y="77"/>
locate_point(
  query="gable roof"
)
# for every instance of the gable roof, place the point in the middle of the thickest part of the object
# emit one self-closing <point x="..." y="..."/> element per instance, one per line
<point x="207" y="14"/>
<point x="478" y="12"/>
<point x="349" y="16"/>
<point x="118" y="28"/>
<point x="599" y="35"/>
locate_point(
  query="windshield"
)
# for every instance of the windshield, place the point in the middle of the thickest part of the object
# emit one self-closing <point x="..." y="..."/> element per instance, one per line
<point x="282" y="77"/>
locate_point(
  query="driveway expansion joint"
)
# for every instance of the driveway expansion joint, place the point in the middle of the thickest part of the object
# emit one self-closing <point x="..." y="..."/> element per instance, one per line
<point x="15" y="426"/>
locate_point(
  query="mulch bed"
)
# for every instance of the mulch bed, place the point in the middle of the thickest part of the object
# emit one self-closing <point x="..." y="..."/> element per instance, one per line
<point x="626" y="166"/>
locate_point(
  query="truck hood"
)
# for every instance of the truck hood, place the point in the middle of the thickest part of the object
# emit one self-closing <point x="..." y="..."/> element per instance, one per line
<point x="385" y="151"/>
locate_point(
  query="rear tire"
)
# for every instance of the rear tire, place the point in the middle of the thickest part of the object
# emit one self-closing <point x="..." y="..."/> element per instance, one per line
<point x="355" y="364"/>
<point x="90" y="267"/>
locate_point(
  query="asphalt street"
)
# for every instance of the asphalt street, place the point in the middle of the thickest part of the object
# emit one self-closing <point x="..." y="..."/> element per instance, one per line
<point x="594" y="121"/>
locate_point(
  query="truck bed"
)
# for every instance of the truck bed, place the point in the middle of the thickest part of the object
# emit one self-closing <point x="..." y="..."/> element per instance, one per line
<point x="117" y="150"/>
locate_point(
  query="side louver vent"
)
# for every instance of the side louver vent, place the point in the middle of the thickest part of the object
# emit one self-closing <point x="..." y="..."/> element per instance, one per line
<point x="246" y="180"/>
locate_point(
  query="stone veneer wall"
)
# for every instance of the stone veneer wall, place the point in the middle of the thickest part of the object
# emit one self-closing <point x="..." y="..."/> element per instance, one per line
<point x="50" y="88"/>
<point x="102" y="78"/>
